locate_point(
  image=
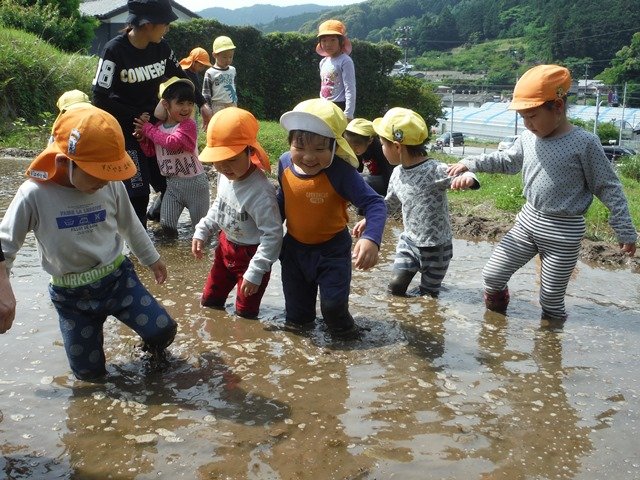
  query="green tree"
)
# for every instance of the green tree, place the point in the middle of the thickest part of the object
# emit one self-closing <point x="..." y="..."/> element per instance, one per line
<point x="626" y="68"/>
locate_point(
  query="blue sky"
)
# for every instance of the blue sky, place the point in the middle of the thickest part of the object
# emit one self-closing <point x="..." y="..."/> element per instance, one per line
<point x="197" y="5"/>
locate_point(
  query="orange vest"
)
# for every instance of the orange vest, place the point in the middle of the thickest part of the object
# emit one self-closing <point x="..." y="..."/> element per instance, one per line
<point x="315" y="212"/>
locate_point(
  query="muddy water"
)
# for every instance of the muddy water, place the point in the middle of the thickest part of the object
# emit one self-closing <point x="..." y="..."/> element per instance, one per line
<point x="436" y="389"/>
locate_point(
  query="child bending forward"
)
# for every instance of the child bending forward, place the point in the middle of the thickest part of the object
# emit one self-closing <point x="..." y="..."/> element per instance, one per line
<point x="418" y="186"/>
<point x="80" y="213"/>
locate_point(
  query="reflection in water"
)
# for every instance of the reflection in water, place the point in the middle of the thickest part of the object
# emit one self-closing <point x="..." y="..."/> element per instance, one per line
<point x="533" y="427"/>
<point x="435" y="389"/>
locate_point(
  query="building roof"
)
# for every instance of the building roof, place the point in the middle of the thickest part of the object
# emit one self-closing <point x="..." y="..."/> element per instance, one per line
<point x="104" y="9"/>
<point x="493" y="119"/>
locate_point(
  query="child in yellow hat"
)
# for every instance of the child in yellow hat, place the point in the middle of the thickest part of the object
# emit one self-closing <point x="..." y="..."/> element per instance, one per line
<point x="174" y="142"/>
<point x="318" y="180"/>
<point x="563" y="167"/>
<point x="78" y="208"/>
<point x="219" y="88"/>
<point x="337" y="71"/>
<point x="418" y="186"/>
<point x="244" y="218"/>
<point x="366" y="145"/>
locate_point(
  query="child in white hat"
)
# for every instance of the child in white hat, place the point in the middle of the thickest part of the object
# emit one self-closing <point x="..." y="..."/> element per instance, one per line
<point x="318" y="180"/>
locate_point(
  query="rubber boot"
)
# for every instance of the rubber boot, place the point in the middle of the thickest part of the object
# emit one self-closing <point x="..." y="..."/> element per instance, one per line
<point x="497" y="301"/>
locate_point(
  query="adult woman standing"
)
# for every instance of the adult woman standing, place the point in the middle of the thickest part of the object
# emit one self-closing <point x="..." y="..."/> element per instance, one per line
<point x="130" y="70"/>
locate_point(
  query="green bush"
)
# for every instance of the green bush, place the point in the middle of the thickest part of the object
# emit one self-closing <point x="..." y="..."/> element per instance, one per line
<point x="279" y="70"/>
<point x="34" y="74"/>
<point x="59" y="23"/>
<point x="630" y="167"/>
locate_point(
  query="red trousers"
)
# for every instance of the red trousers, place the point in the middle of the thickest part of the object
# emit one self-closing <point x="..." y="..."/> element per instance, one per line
<point x="229" y="264"/>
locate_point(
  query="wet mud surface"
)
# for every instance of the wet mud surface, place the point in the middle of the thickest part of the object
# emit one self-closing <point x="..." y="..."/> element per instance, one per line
<point x="434" y="389"/>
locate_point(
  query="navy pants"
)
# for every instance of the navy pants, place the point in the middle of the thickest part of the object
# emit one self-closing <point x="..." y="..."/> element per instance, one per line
<point x="307" y="268"/>
<point x="83" y="310"/>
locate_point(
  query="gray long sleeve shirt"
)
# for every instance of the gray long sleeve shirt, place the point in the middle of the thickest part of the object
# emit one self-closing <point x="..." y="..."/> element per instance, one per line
<point x="561" y="175"/>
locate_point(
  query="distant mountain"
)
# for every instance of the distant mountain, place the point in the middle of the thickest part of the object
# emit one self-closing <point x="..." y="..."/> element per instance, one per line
<point x="291" y="24"/>
<point x="258" y="14"/>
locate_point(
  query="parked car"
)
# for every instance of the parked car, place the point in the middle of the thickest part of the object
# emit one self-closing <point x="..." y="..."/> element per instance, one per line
<point x="443" y="140"/>
<point x="614" y="152"/>
<point x="507" y="142"/>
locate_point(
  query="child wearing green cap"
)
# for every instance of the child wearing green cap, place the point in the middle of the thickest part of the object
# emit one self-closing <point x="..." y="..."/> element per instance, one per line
<point x="318" y="179"/>
<point x="419" y="187"/>
<point x="562" y="167"/>
<point x="79" y="211"/>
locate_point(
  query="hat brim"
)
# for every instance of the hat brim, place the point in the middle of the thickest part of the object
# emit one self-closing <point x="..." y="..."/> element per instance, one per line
<point x="122" y="169"/>
<point x="305" y="121"/>
<point x="44" y="166"/>
<point x="379" y="127"/>
<point x="524" y="105"/>
<point x="259" y="156"/>
<point x="346" y="46"/>
<point x="156" y="18"/>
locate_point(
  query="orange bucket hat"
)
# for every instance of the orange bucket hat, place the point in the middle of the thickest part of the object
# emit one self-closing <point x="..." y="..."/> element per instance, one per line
<point x="334" y="27"/>
<point x="198" y="54"/>
<point x="93" y="139"/>
<point x="539" y="85"/>
<point x="229" y="132"/>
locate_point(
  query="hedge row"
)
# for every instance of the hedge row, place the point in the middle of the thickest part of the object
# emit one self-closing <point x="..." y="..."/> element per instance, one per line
<point x="275" y="72"/>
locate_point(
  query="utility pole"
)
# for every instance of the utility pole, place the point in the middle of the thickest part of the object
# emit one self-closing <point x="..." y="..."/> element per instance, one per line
<point x="624" y="104"/>
<point x="586" y="77"/>
<point x="451" y="126"/>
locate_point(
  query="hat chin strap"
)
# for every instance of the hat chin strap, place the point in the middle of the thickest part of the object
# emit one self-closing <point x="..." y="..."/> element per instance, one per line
<point x="333" y="151"/>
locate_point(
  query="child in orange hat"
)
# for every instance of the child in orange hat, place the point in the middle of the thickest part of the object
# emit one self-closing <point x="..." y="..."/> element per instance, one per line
<point x="78" y="208"/>
<point x="244" y="215"/>
<point x="337" y="71"/>
<point x="563" y="167"/>
<point x="193" y="65"/>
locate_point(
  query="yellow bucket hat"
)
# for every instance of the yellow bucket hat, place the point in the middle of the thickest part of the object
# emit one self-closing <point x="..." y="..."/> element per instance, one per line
<point x="403" y="126"/>
<point x="72" y="99"/>
<point x="321" y="117"/>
